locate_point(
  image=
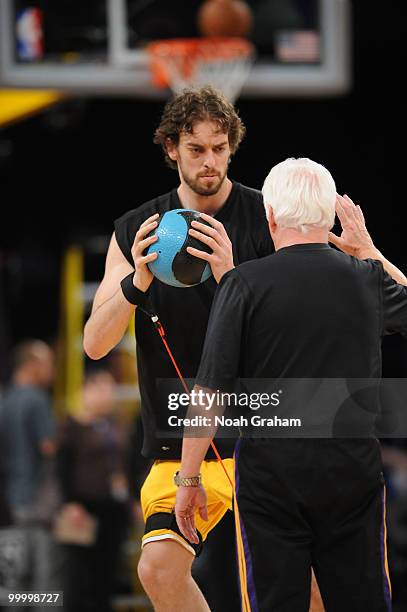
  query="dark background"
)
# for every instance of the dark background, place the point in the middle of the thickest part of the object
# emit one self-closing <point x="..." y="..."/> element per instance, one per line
<point x="66" y="174"/>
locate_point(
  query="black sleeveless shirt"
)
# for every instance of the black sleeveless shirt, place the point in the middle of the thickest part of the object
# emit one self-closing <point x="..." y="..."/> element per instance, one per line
<point x="184" y="313"/>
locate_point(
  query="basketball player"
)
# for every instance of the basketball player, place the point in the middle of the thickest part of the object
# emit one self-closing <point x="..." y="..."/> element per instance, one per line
<point x="199" y="132"/>
<point x="303" y="502"/>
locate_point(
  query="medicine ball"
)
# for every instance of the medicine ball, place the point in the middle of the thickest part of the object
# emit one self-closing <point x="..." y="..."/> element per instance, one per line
<point x="174" y="265"/>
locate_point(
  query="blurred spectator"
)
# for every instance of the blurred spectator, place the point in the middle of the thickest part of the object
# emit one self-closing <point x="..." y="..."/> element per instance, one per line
<point x="138" y="467"/>
<point x="28" y="445"/>
<point x="94" y="520"/>
<point x="394" y="453"/>
<point x="5" y="515"/>
<point x="5" y="518"/>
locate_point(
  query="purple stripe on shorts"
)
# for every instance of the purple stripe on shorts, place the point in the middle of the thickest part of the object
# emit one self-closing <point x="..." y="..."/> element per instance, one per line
<point x="249" y="564"/>
<point x="386" y="585"/>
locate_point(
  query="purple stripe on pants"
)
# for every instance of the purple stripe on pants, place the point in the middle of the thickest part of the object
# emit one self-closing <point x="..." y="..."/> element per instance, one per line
<point x="248" y="558"/>
<point x="386" y="585"/>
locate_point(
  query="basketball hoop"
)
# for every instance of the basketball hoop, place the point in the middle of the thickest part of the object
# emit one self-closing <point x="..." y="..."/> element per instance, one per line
<point x="224" y="63"/>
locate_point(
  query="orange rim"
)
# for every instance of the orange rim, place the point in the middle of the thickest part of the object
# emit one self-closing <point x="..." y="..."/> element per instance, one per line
<point x="188" y="51"/>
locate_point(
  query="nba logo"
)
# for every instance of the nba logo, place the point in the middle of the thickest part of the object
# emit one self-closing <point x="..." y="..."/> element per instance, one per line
<point x="29" y="34"/>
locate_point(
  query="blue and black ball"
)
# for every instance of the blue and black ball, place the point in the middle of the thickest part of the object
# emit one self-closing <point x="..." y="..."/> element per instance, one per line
<point x="174" y="265"/>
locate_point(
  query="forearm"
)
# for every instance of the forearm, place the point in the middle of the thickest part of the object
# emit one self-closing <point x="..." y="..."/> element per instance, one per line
<point x="193" y="453"/>
<point x="394" y="272"/>
<point x="107" y="325"/>
<point x="194" y="449"/>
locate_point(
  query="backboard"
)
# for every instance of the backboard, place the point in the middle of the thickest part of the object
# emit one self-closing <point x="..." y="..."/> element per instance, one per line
<point x="98" y="47"/>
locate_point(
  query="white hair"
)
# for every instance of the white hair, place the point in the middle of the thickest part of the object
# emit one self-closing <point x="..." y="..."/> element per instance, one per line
<point x="301" y="193"/>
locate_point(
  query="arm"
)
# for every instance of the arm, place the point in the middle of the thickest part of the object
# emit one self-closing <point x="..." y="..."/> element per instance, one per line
<point x="396" y="274"/>
<point x="43" y="424"/>
<point x="189" y="499"/>
<point x="193" y="453"/>
<point x="355" y="239"/>
<point x="111" y="311"/>
<point x="218" y="369"/>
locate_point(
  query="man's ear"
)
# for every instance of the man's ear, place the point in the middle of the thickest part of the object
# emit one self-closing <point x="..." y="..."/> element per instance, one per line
<point x="272" y="222"/>
<point x="171" y="149"/>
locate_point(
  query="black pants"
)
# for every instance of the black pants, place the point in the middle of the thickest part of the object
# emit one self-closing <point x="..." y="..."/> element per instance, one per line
<point x="316" y="503"/>
<point x="215" y="570"/>
<point x="90" y="572"/>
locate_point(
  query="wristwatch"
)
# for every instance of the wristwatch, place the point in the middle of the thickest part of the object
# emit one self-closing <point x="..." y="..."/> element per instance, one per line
<point x="192" y="481"/>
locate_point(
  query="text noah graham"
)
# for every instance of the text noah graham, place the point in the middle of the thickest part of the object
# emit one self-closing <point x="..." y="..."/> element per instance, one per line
<point x="241" y="421"/>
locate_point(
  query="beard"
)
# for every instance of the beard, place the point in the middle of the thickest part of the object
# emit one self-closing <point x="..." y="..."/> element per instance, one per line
<point x="201" y="186"/>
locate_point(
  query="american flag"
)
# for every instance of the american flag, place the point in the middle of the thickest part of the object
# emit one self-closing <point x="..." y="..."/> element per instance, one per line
<point x="297" y="46"/>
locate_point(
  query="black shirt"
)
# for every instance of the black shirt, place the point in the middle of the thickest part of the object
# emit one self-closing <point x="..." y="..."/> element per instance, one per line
<point x="183" y="312"/>
<point x="89" y="454"/>
<point x="307" y="311"/>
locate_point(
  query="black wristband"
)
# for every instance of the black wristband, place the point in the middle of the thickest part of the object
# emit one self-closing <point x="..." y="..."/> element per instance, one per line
<point x="132" y="294"/>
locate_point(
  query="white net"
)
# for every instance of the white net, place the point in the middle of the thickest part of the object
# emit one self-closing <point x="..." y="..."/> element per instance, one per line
<point x="225" y="64"/>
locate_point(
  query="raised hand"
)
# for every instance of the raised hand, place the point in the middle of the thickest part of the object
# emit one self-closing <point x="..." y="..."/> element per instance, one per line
<point x="143" y="277"/>
<point x="354" y="239"/>
<point x="221" y="258"/>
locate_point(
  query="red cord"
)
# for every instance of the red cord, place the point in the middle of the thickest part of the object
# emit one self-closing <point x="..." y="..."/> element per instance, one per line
<point x="160" y="329"/>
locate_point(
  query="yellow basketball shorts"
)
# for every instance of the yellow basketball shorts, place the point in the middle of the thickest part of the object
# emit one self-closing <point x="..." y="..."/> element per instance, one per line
<point x="158" y="501"/>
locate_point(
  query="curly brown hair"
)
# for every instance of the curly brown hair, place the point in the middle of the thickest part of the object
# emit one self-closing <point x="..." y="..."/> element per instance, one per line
<point x="191" y="106"/>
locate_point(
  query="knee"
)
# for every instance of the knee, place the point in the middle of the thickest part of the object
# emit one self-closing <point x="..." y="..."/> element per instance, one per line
<point x="153" y="571"/>
<point x="160" y="570"/>
<point x="145" y="572"/>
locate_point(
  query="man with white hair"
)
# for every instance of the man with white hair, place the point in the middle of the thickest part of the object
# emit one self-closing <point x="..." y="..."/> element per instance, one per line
<point x="306" y="312"/>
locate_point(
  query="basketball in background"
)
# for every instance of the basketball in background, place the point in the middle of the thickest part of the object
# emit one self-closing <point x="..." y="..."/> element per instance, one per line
<point x="225" y="18"/>
<point x="174" y="265"/>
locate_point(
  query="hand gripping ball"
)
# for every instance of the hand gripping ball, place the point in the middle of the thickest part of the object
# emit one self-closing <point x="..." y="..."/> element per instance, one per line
<point x="174" y="265"/>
